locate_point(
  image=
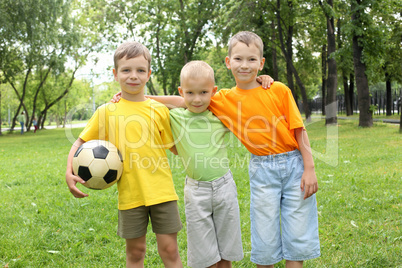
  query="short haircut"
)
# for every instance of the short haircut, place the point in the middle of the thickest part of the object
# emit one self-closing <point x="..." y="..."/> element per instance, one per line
<point x="131" y="50"/>
<point x="246" y="38"/>
<point x="197" y="69"/>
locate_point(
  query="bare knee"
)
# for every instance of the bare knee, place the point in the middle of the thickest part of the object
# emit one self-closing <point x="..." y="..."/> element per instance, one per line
<point x="169" y="250"/>
<point x="135" y="254"/>
<point x="135" y="251"/>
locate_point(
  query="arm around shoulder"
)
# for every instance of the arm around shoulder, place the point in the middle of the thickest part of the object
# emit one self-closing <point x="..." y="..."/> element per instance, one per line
<point x="170" y="101"/>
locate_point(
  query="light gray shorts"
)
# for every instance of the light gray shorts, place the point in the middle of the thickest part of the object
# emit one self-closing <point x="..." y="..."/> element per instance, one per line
<point x="213" y="221"/>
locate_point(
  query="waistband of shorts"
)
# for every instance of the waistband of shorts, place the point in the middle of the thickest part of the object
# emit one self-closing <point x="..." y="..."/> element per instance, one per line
<point x="210" y="184"/>
<point x="274" y="157"/>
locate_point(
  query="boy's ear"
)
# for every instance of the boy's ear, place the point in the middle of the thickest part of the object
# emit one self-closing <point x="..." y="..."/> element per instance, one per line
<point x="149" y="75"/>
<point x="214" y="90"/>
<point x="227" y="61"/>
<point x="115" y="74"/>
<point x="262" y="63"/>
<point x="180" y="91"/>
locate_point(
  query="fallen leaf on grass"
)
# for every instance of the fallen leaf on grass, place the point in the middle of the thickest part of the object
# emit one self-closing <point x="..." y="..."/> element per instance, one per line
<point x="353" y="223"/>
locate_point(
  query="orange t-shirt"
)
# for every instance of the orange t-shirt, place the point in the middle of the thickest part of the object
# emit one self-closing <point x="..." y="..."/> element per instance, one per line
<point x="263" y="120"/>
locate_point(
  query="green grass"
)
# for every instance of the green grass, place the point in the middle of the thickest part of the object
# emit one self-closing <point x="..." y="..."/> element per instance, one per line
<point x="359" y="202"/>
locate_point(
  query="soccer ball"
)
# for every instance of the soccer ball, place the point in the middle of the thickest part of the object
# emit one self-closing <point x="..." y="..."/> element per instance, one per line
<point x="98" y="163"/>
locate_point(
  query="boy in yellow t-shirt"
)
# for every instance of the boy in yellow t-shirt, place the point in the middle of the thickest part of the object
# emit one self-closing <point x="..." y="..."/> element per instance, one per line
<point x="140" y="128"/>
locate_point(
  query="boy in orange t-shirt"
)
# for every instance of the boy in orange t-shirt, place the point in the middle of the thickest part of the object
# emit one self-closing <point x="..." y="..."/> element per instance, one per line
<point x="283" y="207"/>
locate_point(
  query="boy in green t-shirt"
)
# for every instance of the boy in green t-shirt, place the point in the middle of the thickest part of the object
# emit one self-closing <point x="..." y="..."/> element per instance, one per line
<point x="210" y="193"/>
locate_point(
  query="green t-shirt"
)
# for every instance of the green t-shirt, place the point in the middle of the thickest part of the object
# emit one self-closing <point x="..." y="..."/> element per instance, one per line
<point x="199" y="140"/>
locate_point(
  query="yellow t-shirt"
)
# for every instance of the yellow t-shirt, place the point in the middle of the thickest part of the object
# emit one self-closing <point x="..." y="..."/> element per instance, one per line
<point x="263" y="120"/>
<point x="141" y="131"/>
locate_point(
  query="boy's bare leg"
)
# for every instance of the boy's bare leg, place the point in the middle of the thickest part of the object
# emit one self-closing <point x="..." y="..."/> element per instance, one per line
<point x="294" y="264"/>
<point x="224" y="264"/>
<point x="169" y="250"/>
<point x="289" y="264"/>
<point x="135" y="252"/>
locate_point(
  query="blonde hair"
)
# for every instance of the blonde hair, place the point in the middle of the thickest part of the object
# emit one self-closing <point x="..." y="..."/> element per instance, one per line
<point x="131" y="50"/>
<point x="247" y="38"/>
<point x="196" y="69"/>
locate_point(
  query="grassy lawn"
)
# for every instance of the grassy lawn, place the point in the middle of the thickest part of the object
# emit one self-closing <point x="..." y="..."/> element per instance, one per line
<point x="42" y="225"/>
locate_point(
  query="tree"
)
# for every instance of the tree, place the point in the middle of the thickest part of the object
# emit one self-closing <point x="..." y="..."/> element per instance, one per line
<point x="288" y="53"/>
<point x="385" y="58"/>
<point x="359" y="19"/>
<point x="344" y="57"/>
<point x="43" y="38"/>
<point x="174" y="31"/>
<point x="332" y="81"/>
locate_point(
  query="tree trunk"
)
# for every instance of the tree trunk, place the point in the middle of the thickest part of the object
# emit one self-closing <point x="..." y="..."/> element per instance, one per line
<point x="332" y="107"/>
<point x="348" y="104"/>
<point x="151" y="87"/>
<point x="289" y="78"/>
<point x="289" y="59"/>
<point x="303" y="93"/>
<point x="324" y="78"/>
<point x="389" y="93"/>
<point x="363" y="94"/>
<point x="158" y="58"/>
<point x="345" y="72"/>
<point x="400" y="119"/>
<point x="275" y="72"/>
<point x="351" y="91"/>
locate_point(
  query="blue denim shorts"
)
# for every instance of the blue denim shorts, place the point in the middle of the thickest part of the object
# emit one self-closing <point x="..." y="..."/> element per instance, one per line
<point x="283" y="225"/>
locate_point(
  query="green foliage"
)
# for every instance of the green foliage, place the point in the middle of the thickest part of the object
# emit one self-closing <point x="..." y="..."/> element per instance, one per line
<point x="42" y="42"/>
<point x="45" y="41"/>
<point x="379" y="25"/>
<point x="43" y="225"/>
<point x="373" y="108"/>
<point x="174" y="31"/>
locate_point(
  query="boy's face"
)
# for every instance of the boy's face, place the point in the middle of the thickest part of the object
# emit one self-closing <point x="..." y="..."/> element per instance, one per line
<point x="132" y="75"/>
<point x="245" y="62"/>
<point x="197" y="93"/>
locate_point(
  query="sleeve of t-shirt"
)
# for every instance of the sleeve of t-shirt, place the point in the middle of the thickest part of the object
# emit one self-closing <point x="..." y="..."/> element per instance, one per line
<point x="217" y="104"/>
<point x="95" y="128"/>
<point x="292" y="112"/>
<point x="164" y="127"/>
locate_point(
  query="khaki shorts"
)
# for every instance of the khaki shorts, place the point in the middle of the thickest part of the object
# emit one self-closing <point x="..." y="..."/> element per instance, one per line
<point x="213" y="221"/>
<point x="165" y="219"/>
